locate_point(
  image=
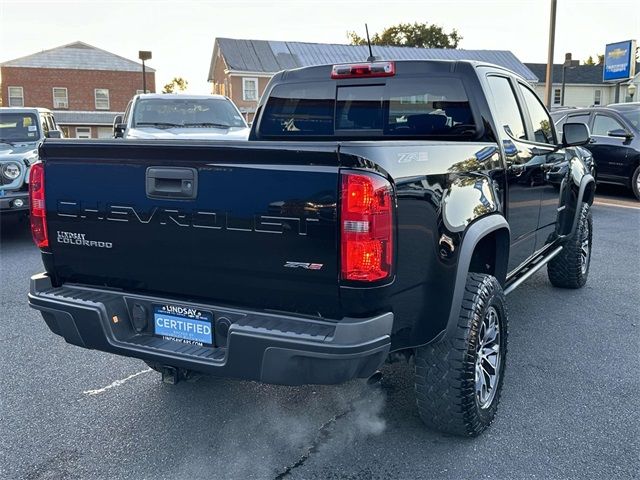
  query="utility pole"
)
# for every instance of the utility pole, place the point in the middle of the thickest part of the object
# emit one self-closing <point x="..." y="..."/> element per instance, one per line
<point x="144" y="55"/>
<point x="552" y="41"/>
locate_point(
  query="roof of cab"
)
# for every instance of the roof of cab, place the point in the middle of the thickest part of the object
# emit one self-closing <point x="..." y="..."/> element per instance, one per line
<point x="181" y="96"/>
<point x="26" y="109"/>
<point x="406" y="67"/>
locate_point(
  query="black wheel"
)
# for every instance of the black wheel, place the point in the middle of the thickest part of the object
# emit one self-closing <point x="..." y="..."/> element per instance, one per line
<point x="570" y="268"/>
<point x="635" y="182"/>
<point x="458" y="380"/>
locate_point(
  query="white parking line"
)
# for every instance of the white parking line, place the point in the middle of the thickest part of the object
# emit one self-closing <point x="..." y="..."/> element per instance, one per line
<point x="117" y="383"/>
<point x="606" y="204"/>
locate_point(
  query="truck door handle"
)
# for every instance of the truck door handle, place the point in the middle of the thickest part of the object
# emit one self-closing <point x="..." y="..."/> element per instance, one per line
<point x="172" y="182"/>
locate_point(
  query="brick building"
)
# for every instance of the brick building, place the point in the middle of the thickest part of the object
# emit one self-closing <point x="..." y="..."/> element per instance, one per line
<point x="84" y="86"/>
<point x="241" y="69"/>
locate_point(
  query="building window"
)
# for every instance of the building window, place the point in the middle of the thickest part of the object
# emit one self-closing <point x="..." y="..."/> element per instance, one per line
<point x="16" y="97"/>
<point x="597" y="97"/>
<point x="250" y="89"/>
<point x="83" y="132"/>
<point x="557" y="96"/>
<point x="60" y="98"/>
<point x="102" y="99"/>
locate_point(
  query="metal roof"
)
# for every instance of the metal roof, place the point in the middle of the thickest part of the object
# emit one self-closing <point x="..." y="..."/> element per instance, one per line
<point x="65" y="117"/>
<point x="77" y="56"/>
<point x="264" y="56"/>
<point x="581" y="74"/>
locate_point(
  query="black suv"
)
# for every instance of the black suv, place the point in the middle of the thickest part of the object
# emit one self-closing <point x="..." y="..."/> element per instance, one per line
<point x="615" y="141"/>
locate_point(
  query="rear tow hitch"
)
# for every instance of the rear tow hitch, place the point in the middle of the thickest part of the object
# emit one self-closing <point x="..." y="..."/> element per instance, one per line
<point x="170" y="375"/>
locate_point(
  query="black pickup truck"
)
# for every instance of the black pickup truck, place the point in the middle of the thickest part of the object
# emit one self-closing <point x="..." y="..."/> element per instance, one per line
<point x="378" y="209"/>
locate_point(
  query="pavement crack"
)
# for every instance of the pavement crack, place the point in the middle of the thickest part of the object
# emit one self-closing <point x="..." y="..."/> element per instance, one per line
<point x="322" y="437"/>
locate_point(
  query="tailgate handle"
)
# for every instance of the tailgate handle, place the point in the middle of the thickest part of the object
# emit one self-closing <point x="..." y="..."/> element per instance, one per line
<point x="172" y="182"/>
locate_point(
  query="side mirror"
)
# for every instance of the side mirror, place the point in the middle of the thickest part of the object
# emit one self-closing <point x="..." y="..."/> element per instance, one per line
<point x="118" y="130"/>
<point x="54" y="134"/>
<point x="118" y="127"/>
<point x="620" y="133"/>
<point x="574" y="134"/>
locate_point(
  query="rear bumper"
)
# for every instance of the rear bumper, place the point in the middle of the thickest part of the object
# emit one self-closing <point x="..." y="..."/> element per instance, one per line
<point x="252" y="345"/>
<point x="8" y="202"/>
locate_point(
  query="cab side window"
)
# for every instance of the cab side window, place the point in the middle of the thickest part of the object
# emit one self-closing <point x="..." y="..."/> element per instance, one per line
<point x="126" y="113"/>
<point x="507" y="111"/>
<point x="603" y="124"/>
<point x="44" y="125"/>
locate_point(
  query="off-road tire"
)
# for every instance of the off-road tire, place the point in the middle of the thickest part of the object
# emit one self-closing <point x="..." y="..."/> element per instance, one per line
<point x="566" y="270"/>
<point x="635" y="182"/>
<point x="445" y="372"/>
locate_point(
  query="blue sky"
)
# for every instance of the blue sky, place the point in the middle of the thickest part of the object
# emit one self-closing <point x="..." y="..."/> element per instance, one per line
<point x="181" y="33"/>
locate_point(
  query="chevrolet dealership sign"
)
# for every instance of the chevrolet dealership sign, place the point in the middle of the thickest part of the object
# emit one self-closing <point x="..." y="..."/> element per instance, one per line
<point x="619" y="61"/>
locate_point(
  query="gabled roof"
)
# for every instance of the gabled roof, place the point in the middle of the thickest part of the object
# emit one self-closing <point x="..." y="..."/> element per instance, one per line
<point x="77" y="56"/>
<point x="264" y="56"/>
<point x="581" y="74"/>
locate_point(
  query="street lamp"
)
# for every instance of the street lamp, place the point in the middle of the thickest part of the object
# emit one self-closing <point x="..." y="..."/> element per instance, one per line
<point x="144" y="55"/>
<point x="631" y="89"/>
<point x="568" y="63"/>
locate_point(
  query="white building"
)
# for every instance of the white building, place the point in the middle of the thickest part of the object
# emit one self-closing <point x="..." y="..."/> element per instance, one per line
<point x="583" y="86"/>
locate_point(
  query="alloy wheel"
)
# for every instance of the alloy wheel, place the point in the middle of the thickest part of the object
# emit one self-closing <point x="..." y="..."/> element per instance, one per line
<point x="487" y="372"/>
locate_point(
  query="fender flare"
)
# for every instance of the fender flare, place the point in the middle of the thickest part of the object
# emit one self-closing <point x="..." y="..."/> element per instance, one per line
<point x="473" y="235"/>
<point x="586" y="181"/>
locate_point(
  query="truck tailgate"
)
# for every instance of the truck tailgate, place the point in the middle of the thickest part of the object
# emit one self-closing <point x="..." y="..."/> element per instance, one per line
<point x="240" y="224"/>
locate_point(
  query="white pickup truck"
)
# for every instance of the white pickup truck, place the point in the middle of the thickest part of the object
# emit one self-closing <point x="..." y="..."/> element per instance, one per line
<point x="172" y="116"/>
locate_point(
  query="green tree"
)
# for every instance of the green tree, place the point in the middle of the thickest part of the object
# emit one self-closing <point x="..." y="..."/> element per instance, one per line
<point x="589" y="61"/>
<point x="414" y="34"/>
<point x="601" y="59"/>
<point x="178" y="83"/>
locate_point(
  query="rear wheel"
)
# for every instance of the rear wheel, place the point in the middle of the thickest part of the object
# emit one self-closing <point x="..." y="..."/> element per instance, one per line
<point x="570" y="268"/>
<point x="635" y="182"/>
<point x="458" y="380"/>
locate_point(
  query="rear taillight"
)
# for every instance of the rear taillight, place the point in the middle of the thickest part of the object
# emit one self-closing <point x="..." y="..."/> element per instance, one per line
<point x="366" y="213"/>
<point x="36" y="202"/>
<point x="373" y="69"/>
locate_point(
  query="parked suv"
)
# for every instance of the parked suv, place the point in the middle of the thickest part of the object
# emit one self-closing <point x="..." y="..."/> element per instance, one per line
<point x="166" y="116"/>
<point x="22" y="130"/>
<point x="615" y="141"/>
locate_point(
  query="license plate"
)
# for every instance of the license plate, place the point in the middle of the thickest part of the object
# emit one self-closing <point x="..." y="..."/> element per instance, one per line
<point x="183" y="324"/>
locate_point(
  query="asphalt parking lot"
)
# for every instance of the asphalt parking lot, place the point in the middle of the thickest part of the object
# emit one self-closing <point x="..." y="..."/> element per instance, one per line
<point x="570" y="406"/>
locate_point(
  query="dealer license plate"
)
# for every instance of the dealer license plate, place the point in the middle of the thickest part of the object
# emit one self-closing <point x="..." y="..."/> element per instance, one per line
<point x="183" y="324"/>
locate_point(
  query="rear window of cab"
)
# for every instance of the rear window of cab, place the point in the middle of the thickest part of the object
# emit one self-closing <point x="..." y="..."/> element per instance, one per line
<point x="422" y="107"/>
